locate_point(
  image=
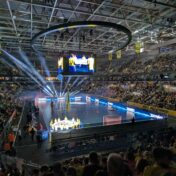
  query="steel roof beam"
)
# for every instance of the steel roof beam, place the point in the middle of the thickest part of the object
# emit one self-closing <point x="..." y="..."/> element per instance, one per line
<point x="161" y="3"/>
<point x="86" y="13"/>
<point x="13" y="21"/>
<point x="86" y="20"/>
<point x="55" y="3"/>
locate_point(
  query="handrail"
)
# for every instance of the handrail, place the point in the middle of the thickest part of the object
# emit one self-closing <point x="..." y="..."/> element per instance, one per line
<point x="19" y="122"/>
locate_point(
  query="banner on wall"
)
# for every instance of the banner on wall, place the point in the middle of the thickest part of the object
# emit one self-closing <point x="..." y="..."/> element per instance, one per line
<point x="111" y="120"/>
<point x="110" y="56"/>
<point x="138" y="47"/>
<point x="119" y="54"/>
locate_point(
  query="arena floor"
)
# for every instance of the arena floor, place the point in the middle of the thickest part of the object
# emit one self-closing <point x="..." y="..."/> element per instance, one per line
<point x="90" y="113"/>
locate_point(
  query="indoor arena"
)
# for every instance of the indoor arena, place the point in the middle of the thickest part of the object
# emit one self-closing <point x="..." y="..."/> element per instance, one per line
<point x="88" y="87"/>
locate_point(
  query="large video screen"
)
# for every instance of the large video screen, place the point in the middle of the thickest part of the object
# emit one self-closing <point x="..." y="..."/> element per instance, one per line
<point x="75" y="65"/>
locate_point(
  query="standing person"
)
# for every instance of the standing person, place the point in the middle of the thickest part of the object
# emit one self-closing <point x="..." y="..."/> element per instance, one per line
<point x="39" y="140"/>
<point x="32" y="132"/>
<point x="133" y="120"/>
<point x="11" y="138"/>
<point x="52" y="107"/>
<point x="19" y="135"/>
<point x="29" y="117"/>
<point x="25" y="129"/>
<point x="6" y="147"/>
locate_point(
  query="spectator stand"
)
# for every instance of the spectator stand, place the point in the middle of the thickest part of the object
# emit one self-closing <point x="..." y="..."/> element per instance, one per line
<point x="12" y="123"/>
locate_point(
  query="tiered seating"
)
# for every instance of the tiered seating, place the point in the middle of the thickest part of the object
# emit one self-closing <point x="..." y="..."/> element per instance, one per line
<point x="149" y="93"/>
<point x="150" y="154"/>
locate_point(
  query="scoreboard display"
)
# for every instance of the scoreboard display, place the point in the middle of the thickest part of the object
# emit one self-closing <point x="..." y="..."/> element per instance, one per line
<point x="76" y="65"/>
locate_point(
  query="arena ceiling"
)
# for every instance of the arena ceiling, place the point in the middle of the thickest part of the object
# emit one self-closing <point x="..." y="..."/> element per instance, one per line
<point x="151" y="21"/>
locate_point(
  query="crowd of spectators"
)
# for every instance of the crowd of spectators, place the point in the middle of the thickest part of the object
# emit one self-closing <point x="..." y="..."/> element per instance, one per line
<point x="152" y="153"/>
<point x="161" y="67"/>
<point x="130" y="83"/>
<point x="153" y="93"/>
<point x="10" y="110"/>
<point x="161" y="64"/>
<point x="8" y="103"/>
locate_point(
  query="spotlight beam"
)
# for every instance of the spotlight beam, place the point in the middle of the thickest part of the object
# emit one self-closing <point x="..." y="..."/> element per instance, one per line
<point x="45" y="92"/>
<point x="68" y="80"/>
<point x="7" y="63"/>
<point x="24" y="57"/>
<point x="79" y="83"/>
<point x="45" y="88"/>
<point x="43" y="62"/>
<point x="75" y="81"/>
<point x="23" y="67"/>
<point x="75" y="92"/>
<point x="61" y="84"/>
<point x="27" y="71"/>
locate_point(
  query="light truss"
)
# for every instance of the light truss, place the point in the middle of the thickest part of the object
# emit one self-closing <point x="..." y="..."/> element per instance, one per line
<point x="20" y="20"/>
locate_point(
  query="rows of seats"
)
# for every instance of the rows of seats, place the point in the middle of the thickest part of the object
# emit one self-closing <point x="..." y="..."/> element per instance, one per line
<point x="156" y="67"/>
<point x="149" y="93"/>
<point x="151" y="154"/>
<point x="161" y="64"/>
<point x="8" y="102"/>
<point x="10" y="111"/>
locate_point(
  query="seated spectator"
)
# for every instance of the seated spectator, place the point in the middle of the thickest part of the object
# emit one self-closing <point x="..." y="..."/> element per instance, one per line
<point x="130" y="158"/>
<point x="140" y="166"/>
<point x="71" y="171"/>
<point x="100" y="173"/>
<point x="35" y="172"/>
<point x="163" y="158"/>
<point x="104" y="164"/>
<point x="93" y="166"/>
<point x="57" y="169"/>
<point x="116" y="166"/>
<point x="44" y="170"/>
